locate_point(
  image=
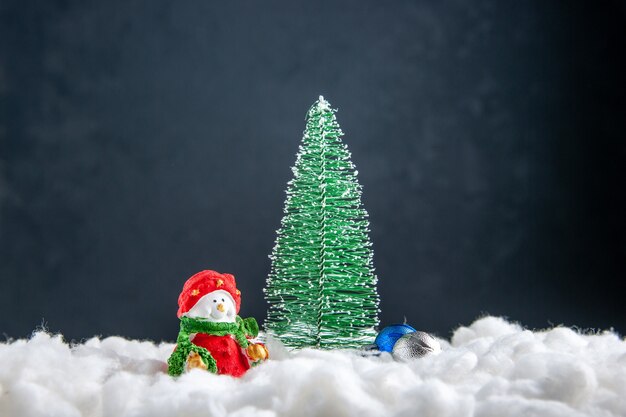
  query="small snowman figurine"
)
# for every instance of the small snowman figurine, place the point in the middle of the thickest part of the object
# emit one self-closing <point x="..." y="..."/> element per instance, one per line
<point x="212" y="336"/>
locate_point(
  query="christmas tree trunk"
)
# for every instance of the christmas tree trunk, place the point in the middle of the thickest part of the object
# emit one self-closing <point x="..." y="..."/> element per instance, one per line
<point x="322" y="287"/>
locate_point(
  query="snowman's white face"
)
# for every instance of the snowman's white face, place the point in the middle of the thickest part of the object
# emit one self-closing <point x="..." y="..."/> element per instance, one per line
<point x="217" y="306"/>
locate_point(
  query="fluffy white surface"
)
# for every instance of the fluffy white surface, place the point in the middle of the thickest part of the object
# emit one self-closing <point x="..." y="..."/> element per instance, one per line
<point x="491" y="368"/>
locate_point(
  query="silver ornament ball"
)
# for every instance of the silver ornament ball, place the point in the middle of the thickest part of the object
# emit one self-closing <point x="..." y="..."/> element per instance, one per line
<point x="415" y="345"/>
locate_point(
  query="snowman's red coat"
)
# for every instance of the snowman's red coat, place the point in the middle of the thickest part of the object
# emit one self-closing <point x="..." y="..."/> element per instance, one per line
<point x="228" y="355"/>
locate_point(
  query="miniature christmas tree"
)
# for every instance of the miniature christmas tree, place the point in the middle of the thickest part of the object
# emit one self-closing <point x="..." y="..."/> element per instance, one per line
<point x="322" y="287"/>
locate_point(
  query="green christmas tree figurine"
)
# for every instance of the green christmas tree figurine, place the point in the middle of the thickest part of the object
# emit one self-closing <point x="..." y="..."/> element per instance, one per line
<point x="322" y="287"/>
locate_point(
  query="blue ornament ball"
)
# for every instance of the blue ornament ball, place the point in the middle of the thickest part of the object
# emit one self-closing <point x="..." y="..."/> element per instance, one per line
<point x="390" y="335"/>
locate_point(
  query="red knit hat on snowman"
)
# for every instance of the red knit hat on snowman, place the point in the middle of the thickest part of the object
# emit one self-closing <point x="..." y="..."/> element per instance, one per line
<point x="205" y="282"/>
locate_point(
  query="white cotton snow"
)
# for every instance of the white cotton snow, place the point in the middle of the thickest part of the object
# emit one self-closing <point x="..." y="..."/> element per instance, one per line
<point x="491" y="368"/>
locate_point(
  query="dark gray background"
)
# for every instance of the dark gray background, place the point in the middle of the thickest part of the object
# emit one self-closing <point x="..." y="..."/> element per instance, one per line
<point x="144" y="141"/>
